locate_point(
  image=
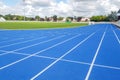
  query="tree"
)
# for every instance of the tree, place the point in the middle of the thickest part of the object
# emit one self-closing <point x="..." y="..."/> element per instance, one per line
<point x="99" y="18"/>
<point x="1" y="15"/>
<point x="60" y="18"/>
<point x="37" y="18"/>
<point x="18" y="17"/>
<point x="8" y="17"/>
<point x="55" y="18"/>
<point x="113" y="16"/>
<point x="70" y="18"/>
<point x="79" y="19"/>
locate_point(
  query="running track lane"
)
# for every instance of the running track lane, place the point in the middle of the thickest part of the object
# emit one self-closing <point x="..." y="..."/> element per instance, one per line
<point x="64" y="68"/>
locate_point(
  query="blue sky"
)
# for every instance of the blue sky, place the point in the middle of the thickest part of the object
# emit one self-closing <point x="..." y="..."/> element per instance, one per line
<point x="59" y="7"/>
<point x="11" y="2"/>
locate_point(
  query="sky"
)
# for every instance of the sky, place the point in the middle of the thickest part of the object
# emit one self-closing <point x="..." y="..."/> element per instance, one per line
<point x="42" y="8"/>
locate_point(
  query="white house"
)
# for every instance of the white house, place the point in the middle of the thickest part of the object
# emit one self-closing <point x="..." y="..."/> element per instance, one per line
<point x="84" y="19"/>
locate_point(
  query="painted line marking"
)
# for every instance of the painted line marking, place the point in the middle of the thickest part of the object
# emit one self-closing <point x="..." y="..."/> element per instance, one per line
<point x="32" y="45"/>
<point x="12" y="40"/>
<point x="104" y="66"/>
<point x="37" y="52"/>
<point x="22" y="42"/>
<point x="25" y="54"/>
<point x="95" y="56"/>
<point x="116" y="36"/>
<point x="46" y="68"/>
<point x="71" y="61"/>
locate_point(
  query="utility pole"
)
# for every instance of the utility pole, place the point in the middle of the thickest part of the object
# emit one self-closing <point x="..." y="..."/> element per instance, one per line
<point x="24" y="9"/>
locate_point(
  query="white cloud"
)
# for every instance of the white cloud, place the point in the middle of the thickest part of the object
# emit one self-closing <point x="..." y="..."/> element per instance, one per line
<point x="38" y="3"/>
<point x="3" y="8"/>
<point x="61" y="8"/>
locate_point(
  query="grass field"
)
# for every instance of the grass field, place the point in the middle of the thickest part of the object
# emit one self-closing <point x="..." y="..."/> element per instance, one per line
<point x="38" y="25"/>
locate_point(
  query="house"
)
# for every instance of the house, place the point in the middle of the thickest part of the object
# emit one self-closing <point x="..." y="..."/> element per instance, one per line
<point x="84" y="19"/>
<point x="118" y="14"/>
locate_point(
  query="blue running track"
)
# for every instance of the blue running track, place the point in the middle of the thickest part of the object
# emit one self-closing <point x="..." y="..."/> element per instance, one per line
<point x="83" y="53"/>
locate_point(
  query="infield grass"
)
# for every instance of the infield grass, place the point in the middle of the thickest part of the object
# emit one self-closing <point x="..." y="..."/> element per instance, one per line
<point x="38" y="25"/>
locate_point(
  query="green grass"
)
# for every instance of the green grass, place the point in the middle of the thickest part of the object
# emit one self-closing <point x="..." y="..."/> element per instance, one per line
<point x="38" y="25"/>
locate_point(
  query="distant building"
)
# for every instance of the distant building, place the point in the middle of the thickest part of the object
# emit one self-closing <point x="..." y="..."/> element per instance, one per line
<point x="2" y="19"/>
<point x="64" y="19"/>
<point x="84" y="19"/>
<point x="118" y="14"/>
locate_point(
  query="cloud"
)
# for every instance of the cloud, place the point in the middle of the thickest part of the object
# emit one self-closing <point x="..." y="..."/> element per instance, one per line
<point x="83" y="0"/>
<point x="2" y="6"/>
<point x="38" y="3"/>
<point x="61" y="7"/>
<point x="108" y="6"/>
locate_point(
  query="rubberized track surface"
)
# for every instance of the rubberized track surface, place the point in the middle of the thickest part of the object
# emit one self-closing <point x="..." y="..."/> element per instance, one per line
<point x="85" y="53"/>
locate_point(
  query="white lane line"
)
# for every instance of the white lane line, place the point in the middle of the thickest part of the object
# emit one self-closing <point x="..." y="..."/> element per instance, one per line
<point x="32" y="45"/>
<point x="21" y="42"/>
<point x="11" y="40"/>
<point x="46" y="68"/>
<point x="109" y="67"/>
<point x="3" y="54"/>
<point x="78" y="62"/>
<point x="25" y="54"/>
<point x="116" y="36"/>
<point x="52" y="58"/>
<point x="95" y="56"/>
<point x="71" y="61"/>
<point x="37" y="52"/>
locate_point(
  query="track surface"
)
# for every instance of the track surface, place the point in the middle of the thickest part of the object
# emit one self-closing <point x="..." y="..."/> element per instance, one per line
<point x="85" y="53"/>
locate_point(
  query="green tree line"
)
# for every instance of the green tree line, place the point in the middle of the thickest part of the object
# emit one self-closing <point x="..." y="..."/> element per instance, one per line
<point x="110" y="17"/>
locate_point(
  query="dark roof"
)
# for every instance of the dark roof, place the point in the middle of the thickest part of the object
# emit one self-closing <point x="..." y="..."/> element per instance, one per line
<point x="119" y="11"/>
